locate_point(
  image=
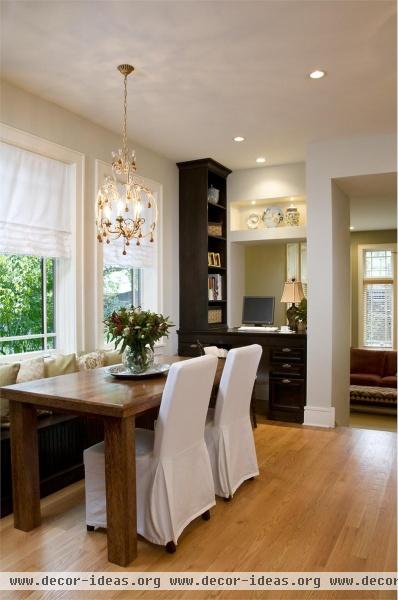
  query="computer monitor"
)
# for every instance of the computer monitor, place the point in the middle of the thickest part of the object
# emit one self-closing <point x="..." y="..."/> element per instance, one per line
<point x="258" y="310"/>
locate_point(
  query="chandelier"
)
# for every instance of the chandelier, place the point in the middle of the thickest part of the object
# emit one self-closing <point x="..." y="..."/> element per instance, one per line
<point x="125" y="208"/>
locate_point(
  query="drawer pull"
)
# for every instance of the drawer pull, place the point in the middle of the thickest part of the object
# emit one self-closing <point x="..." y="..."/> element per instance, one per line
<point x="286" y="349"/>
<point x="286" y="381"/>
<point x="193" y="345"/>
<point x="287" y="366"/>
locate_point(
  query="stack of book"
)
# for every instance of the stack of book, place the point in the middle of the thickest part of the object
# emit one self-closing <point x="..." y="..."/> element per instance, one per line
<point x="215" y="287"/>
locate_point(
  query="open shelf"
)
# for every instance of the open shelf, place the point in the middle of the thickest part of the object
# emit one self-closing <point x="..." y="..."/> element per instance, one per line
<point x="218" y="206"/>
<point x="216" y="237"/>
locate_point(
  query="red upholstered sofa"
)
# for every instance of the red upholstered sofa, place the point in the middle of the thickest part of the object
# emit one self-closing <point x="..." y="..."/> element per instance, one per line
<point x="376" y="368"/>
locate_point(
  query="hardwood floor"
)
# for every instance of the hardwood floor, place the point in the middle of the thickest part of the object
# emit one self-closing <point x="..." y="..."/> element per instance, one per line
<point x="325" y="501"/>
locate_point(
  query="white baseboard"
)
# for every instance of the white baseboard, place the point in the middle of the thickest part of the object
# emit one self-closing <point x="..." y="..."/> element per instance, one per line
<point x="319" y="416"/>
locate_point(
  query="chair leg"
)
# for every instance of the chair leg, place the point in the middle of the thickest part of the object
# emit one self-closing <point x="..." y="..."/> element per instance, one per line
<point x="170" y="547"/>
<point x="206" y="515"/>
<point x="90" y="527"/>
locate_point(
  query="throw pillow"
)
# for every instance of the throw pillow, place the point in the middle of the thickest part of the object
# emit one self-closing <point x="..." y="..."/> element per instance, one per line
<point x="8" y="376"/>
<point x="31" y="369"/>
<point x="92" y="360"/>
<point x="61" y="365"/>
<point x="112" y="357"/>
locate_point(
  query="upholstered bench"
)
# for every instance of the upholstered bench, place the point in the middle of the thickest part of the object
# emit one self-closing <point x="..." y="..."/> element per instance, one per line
<point x="374" y="397"/>
<point x="61" y="438"/>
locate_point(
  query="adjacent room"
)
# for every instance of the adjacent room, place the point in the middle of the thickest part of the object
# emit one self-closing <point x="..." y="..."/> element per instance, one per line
<point x="198" y="298"/>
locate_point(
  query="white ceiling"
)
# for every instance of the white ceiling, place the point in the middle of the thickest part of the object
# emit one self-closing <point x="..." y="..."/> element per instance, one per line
<point x="207" y="71"/>
<point x="373" y="200"/>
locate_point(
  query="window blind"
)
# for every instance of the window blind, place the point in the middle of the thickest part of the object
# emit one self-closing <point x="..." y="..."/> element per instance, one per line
<point x="378" y="307"/>
<point x="35" y="204"/>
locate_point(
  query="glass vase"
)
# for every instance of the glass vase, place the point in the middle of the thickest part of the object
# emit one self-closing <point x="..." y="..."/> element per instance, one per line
<point x="138" y="360"/>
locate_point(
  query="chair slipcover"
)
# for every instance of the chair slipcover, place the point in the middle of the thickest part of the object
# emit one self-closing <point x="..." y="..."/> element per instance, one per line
<point x="228" y="433"/>
<point x="173" y="472"/>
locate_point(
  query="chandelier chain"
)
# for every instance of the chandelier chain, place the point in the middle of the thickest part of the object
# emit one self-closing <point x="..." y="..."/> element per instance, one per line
<point x="125" y="152"/>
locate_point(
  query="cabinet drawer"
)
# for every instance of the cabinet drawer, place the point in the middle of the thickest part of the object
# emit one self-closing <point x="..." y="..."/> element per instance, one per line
<point x="283" y="369"/>
<point x="287" y="354"/>
<point x="287" y="394"/>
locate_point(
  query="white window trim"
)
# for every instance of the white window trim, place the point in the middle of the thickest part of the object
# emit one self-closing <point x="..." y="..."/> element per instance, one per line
<point x="103" y="169"/>
<point x="70" y="294"/>
<point x="361" y="249"/>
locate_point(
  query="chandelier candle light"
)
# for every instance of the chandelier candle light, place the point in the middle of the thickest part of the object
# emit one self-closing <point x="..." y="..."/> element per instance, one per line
<point x="123" y="192"/>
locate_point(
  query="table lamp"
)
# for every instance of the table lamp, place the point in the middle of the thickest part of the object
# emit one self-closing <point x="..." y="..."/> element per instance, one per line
<point x="292" y="293"/>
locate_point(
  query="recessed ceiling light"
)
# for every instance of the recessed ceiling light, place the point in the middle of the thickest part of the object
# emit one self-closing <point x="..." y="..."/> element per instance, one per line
<point x="260" y="159"/>
<point x="351" y="228"/>
<point x="239" y="138"/>
<point x="317" y="74"/>
<point x="253" y="202"/>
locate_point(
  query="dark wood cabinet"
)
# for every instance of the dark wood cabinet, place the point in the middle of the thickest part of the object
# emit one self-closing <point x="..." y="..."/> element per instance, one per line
<point x="280" y="388"/>
<point x="197" y="311"/>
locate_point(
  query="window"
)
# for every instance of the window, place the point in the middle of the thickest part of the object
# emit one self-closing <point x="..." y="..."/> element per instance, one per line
<point x="41" y="218"/>
<point x="296" y="263"/>
<point x="27" y="304"/>
<point x="377" y="295"/>
<point x="122" y="287"/>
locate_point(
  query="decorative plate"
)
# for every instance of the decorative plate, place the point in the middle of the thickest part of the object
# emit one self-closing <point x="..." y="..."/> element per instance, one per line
<point x="120" y="372"/>
<point x="272" y="216"/>
<point x="253" y="221"/>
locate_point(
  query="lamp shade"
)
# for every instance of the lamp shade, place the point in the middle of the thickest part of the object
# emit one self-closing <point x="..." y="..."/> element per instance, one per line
<point x="292" y="292"/>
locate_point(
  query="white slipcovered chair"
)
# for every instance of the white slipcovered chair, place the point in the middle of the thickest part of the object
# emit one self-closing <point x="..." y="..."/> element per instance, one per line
<point x="173" y="472"/>
<point x="228" y="433"/>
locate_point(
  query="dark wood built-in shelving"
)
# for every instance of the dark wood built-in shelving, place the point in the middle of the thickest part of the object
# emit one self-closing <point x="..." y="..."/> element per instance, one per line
<point x="196" y="212"/>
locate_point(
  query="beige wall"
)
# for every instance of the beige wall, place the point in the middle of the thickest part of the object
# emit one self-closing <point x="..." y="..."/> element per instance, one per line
<point x="34" y="115"/>
<point x="359" y="238"/>
<point x="265" y="268"/>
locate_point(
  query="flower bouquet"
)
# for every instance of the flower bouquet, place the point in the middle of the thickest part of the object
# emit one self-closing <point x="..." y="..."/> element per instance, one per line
<point x="136" y="331"/>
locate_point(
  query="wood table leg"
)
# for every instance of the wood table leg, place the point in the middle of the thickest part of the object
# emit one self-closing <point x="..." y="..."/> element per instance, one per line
<point x="120" y="489"/>
<point x="25" y="466"/>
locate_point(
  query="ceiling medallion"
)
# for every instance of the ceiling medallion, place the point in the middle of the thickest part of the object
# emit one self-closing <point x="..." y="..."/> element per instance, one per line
<point x="125" y="207"/>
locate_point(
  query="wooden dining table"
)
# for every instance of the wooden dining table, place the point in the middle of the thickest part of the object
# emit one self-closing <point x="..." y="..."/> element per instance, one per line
<point x="97" y="393"/>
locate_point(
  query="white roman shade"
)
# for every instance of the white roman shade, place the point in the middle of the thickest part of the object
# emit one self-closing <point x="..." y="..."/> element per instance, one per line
<point x="142" y="256"/>
<point x="35" y="204"/>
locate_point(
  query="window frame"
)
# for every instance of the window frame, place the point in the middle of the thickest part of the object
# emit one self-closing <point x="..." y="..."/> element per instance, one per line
<point x="69" y="273"/>
<point x="362" y="280"/>
<point x="152" y="286"/>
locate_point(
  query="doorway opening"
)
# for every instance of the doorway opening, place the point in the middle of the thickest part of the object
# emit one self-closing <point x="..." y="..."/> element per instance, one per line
<point x="373" y="283"/>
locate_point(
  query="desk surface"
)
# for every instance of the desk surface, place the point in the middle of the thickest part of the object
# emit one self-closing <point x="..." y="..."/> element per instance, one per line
<point x="95" y="392"/>
<point x="214" y="331"/>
